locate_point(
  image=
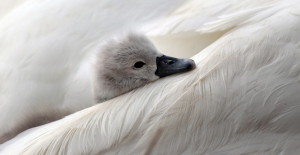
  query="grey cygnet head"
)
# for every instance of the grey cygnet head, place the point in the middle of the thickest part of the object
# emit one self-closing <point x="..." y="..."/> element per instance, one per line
<point x="129" y="62"/>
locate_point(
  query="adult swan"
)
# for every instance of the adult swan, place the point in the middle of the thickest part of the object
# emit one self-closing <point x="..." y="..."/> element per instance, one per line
<point x="242" y="98"/>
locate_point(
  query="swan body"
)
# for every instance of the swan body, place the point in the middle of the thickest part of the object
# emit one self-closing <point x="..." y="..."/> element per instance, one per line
<point x="241" y="99"/>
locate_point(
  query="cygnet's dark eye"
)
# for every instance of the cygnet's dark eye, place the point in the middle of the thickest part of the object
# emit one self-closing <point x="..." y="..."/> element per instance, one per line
<point x="139" y="64"/>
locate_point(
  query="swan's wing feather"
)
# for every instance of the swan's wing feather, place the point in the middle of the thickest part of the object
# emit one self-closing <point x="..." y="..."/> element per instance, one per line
<point x="8" y="5"/>
<point x="211" y="16"/>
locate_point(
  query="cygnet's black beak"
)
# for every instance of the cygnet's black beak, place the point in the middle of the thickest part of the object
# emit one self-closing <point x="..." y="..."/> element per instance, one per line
<point x="168" y="65"/>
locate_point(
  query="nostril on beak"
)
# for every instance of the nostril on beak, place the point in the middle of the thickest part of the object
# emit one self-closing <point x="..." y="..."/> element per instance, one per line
<point x="169" y="62"/>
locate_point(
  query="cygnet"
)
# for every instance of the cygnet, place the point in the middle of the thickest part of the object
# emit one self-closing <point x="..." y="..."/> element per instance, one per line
<point x="129" y="62"/>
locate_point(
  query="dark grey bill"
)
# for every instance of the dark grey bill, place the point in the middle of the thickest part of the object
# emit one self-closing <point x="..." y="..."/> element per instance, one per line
<point x="169" y="65"/>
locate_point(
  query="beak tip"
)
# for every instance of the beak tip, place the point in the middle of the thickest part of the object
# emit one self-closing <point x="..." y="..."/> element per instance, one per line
<point x="191" y="65"/>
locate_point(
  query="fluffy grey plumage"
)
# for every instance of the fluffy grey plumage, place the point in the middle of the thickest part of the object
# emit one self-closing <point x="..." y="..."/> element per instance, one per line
<point x="116" y="72"/>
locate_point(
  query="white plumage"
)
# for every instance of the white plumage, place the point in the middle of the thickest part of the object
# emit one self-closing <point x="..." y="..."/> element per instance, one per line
<point x="242" y="98"/>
